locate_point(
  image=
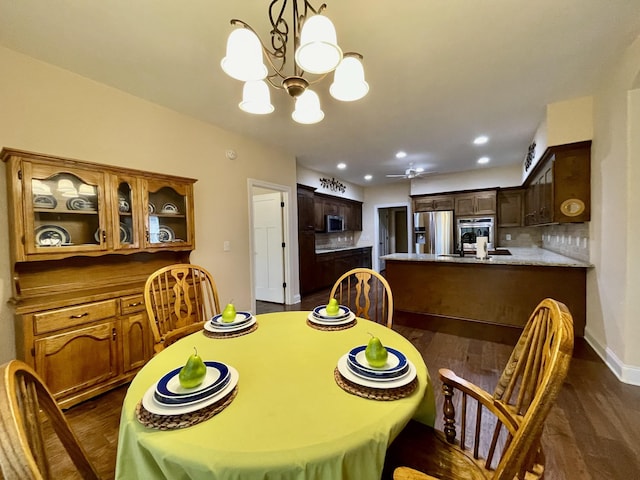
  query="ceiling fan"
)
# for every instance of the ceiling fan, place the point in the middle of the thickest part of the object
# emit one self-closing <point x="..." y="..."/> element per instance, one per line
<point x="411" y="172"/>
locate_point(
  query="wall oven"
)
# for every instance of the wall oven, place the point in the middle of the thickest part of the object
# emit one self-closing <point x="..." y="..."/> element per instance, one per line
<point x="468" y="229"/>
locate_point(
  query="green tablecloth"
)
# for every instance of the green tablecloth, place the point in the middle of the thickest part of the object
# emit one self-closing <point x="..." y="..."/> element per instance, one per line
<point x="289" y="420"/>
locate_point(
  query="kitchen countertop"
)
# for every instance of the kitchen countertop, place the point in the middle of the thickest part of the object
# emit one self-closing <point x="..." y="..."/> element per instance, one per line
<point x="519" y="256"/>
<point x="340" y="249"/>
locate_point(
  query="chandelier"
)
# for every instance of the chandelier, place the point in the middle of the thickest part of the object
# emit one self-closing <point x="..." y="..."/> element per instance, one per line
<point x="316" y="52"/>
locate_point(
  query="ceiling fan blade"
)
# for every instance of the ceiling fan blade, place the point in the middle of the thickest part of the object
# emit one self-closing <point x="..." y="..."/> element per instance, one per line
<point x="397" y="176"/>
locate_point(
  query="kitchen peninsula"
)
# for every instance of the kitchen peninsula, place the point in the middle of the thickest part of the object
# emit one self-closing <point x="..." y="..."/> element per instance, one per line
<point x="430" y="290"/>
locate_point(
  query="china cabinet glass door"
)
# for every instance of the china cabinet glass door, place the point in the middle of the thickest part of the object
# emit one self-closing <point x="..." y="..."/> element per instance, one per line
<point x="168" y="215"/>
<point x="126" y="212"/>
<point x="64" y="210"/>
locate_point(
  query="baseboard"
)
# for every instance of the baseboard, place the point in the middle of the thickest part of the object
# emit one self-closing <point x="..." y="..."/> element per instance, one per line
<point x="626" y="373"/>
<point x="297" y="299"/>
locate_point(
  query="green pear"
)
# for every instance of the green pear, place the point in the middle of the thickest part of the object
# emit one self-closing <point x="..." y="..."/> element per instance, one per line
<point x="193" y="372"/>
<point x="332" y="307"/>
<point x="375" y="353"/>
<point x="229" y="313"/>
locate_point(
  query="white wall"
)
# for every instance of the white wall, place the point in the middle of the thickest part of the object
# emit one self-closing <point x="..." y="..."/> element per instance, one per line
<point x="312" y="178"/>
<point x="396" y="194"/>
<point x="613" y="302"/>
<point x="508" y="176"/>
<point x="49" y="110"/>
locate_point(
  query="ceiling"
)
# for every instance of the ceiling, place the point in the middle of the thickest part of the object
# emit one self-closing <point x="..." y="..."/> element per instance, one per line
<point x="440" y="72"/>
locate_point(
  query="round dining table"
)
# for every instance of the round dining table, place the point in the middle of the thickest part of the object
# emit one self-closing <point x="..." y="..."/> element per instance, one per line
<point x="289" y="419"/>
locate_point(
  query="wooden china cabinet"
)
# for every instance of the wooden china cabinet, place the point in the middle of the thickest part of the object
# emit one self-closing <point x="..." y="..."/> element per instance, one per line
<point x="84" y="237"/>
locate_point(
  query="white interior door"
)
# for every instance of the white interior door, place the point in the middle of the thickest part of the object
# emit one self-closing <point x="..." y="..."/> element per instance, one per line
<point x="268" y="255"/>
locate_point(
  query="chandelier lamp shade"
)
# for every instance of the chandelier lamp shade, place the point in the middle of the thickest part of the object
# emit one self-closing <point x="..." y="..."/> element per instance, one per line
<point x="316" y="53"/>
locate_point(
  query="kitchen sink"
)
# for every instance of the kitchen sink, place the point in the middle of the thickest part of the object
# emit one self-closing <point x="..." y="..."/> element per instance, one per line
<point x="472" y="253"/>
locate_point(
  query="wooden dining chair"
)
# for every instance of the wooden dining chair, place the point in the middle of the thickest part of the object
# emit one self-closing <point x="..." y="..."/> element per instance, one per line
<point x="27" y="408"/>
<point x="179" y="299"/>
<point x="367" y="294"/>
<point x="504" y="444"/>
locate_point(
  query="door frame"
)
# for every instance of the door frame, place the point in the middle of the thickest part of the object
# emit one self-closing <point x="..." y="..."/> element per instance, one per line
<point x="376" y="229"/>
<point x="287" y="211"/>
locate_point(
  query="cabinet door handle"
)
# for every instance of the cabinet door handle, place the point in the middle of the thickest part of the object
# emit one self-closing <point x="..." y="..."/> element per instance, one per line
<point x="135" y="304"/>
<point x="146" y="234"/>
<point x="79" y="316"/>
<point x="113" y="333"/>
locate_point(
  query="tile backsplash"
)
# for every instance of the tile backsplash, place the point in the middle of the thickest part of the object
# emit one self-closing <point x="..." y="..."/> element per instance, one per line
<point x="334" y="240"/>
<point x="568" y="239"/>
<point x="519" y="237"/>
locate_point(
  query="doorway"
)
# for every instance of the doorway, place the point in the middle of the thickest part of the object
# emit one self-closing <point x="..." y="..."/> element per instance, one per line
<point x="392" y="233"/>
<point x="269" y="242"/>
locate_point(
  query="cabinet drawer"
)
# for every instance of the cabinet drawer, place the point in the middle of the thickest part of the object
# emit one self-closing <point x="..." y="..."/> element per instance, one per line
<point x="131" y="304"/>
<point x="73" y="316"/>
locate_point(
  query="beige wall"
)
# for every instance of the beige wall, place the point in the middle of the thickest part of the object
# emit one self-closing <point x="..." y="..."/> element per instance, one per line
<point x="49" y="110"/>
<point x="508" y="176"/>
<point x="613" y="302"/>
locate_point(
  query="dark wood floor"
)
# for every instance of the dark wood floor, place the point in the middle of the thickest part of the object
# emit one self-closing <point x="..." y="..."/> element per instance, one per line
<point x="593" y="431"/>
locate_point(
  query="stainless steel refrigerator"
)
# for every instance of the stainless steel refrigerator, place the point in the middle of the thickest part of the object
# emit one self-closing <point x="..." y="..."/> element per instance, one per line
<point x="433" y="232"/>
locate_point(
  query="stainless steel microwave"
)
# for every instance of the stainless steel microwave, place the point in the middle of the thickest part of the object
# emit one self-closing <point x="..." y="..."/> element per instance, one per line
<point x="334" y="223"/>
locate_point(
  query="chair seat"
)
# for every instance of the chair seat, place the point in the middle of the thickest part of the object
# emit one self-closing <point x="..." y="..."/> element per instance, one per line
<point x="427" y="450"/>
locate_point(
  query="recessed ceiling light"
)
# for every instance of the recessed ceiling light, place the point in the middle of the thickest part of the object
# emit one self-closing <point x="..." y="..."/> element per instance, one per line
<point x="401" y="154"/>
<point x="342" y="166"/>
<point x="481" y="140"/>
<point x="483" y="160"/>
<point x="368" y="177"/>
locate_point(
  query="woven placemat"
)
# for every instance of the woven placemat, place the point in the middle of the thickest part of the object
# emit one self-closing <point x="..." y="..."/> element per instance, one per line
<point x="374" y="393"/>
<point x="331" y="328"/>
<point x="174" y="422"/>
<point x="237" y="333"/>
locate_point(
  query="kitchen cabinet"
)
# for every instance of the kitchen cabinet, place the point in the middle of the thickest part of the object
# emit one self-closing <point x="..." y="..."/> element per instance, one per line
<point x="84" y="238"/>
<point x="559" y="188"/>
<point x="330" y="265"/>
<point x="350" y="210"/>
<point x="510" y="207"/>
<point x="476" y="203"/>
<point x="431" y="203"/>
<point x="306" y="239"/>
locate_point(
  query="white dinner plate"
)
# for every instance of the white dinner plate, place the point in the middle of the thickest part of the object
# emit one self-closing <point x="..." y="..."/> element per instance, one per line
<point x="365" y="376"/>
<point x="321" y="313"/>
<point x="169" y="390"/>
<point x="320" y="321"/>
<point x="157" y="408"/>
<point x="395" y="361"/>
<point x="241" y="318"/>
<point x="210" y="327"/>
<point x="398" y="382"/>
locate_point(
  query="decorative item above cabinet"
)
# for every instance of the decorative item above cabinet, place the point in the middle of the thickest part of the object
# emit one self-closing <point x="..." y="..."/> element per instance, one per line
<point x="59" y="208"/>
